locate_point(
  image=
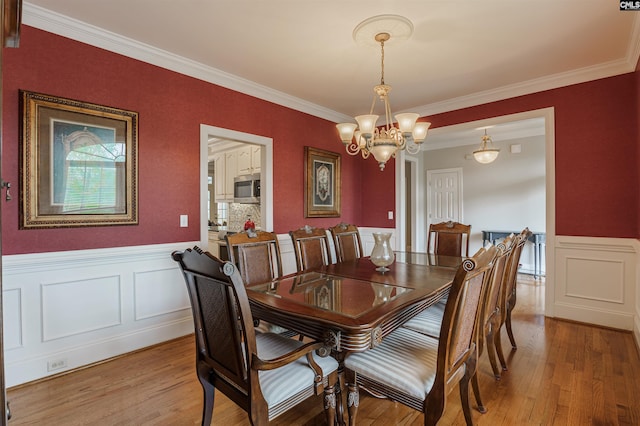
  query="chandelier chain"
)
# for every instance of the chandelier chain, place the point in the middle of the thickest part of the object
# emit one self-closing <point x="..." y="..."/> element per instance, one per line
<point x="382" y="61"/>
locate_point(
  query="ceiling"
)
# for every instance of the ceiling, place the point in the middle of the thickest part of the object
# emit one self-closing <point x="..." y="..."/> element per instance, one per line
<point x="302" y="54"/>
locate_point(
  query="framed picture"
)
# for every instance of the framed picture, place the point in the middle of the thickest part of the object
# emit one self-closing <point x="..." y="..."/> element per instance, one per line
<point x="322" y="183"/>
<point x="79" y="163"/>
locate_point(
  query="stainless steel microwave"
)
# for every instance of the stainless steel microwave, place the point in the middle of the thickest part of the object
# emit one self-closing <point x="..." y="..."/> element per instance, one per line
<point x="246" y="189"/>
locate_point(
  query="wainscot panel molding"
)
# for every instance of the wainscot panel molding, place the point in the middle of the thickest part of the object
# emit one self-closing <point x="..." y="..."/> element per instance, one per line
<point x="596" y="281"/>
<point x="66" y="310"/>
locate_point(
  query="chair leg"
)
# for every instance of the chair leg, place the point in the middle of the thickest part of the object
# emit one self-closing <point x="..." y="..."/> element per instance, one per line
<point x="208" y="394"/>
<point x="491" y="351"/>
<point x="508" y="324"/>
<point x="497" y="340"/>
<point x="476" y="392"/>
<point x="472" y="375"/>
<point x="464" y="400"/>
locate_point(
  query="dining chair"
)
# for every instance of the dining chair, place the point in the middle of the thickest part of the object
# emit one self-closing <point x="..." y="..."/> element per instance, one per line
<point x="508" y="296"/>
<point x="419" y="370"/>
<point x="347" y="242"/>
<point x="256" y="254"/>
<point x="265" y="374"/>
<point x="491" y="306"/>
<point x="449" y="239"/>
<point x="310" y="247"/>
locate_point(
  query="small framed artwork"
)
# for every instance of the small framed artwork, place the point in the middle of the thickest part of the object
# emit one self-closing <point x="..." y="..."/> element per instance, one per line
<point x="79" y="163"/>
<point x="322" y="183"/>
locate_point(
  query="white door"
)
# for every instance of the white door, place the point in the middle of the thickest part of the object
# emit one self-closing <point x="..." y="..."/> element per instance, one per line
<point x="444" y="195"/>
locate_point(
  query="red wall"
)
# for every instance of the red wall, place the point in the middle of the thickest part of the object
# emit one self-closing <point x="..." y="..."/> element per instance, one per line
<point x="171" y="108"/>
<point x="597" y="137"/>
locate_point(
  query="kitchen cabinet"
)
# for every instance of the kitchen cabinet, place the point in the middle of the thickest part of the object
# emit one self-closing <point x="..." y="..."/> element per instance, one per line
<point x="229" y="164"/>
<point x="226" y="169"/>
<point x="249" y="159"/>
<point x="219" y="184"/>
<point x="256" y="158"/>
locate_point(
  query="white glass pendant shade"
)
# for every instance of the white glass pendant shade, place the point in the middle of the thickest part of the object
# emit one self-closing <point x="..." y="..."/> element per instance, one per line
<point x="486" y="153"/>
<point x="406" y="121"/>
<point x="486" y="156"/>
<point x="367" y="124"/>
<point x="420" y="131"/>
<point x="360" y="140"/>
<point x="346" y="131"/>
<point x="382" y="151"/>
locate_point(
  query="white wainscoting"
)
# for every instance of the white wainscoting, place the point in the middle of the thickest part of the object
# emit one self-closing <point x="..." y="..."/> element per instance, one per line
<point x="80" y="307"/>
<point x="76" y="308"/>
<point x="596" y="281"/>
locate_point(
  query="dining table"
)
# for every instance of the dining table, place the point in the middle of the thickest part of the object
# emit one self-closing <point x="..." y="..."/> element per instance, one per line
<point x="351" y="306"/>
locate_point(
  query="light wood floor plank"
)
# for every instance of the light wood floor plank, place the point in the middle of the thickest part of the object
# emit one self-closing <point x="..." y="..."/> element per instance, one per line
<point x="562" y="373"/>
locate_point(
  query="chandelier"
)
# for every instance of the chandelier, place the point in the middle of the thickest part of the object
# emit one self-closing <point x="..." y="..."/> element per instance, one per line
<point x="486" y="153"/>
<point x="385" y="141"/>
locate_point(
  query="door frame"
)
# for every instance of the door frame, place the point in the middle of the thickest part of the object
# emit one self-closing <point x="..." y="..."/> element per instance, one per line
<point x="266" y="167"/>
<point x="548" y="114"/>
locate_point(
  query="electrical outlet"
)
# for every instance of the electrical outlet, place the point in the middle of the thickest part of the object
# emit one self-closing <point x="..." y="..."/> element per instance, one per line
<point x="56" y="364"/>
<point x="184" y="220"/>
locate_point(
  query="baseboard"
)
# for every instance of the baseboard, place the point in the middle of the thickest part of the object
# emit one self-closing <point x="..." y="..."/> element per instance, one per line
<point x="590" y="315"/>
<point x="33" y="369"/>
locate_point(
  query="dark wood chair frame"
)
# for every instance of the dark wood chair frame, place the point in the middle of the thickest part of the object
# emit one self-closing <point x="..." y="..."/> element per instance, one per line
<point x="508" y="295"/>
<point x="256" y="254"/>
<point x="457" y="350"/>
<point x="449" y="238"/>
<point x="347" y="242"/>
<point x="311" y="247"/>
<point x="226" y="350"/>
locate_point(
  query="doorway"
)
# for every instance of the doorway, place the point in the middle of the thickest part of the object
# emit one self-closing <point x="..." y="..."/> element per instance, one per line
<point x="546" y="118"/>
<point x="266" y="166"/>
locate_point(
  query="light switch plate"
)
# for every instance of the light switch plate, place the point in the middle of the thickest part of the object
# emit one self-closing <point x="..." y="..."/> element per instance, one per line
<point x="184" y="220"/>
<point x="390" y="214"/>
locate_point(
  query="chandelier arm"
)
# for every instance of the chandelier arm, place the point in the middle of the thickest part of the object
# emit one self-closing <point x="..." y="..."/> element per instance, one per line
<point x="412" y="148"/>
<point x="352" y="148"/>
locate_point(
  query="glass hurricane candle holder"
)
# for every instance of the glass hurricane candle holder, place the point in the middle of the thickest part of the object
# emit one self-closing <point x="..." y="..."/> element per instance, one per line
<point x="382" y="255"/>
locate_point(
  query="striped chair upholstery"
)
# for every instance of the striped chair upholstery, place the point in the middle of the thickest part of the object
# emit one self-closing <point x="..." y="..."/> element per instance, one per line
<point x="418" y="370"/>
<point x="264" y="373"/>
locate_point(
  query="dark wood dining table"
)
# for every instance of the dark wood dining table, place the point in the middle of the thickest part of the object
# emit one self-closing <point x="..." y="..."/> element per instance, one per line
<point x="350" y="305"/>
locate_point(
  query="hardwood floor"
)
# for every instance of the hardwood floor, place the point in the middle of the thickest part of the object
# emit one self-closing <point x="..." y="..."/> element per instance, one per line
<point x="562" y="373"/>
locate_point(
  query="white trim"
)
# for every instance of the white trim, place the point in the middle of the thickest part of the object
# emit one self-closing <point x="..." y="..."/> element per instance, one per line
<point x="56" y="23"/>
<point x="266" y="167"/>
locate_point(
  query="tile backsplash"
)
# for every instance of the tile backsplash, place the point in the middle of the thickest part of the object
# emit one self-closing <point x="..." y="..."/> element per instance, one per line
<point x="238" y="214"/>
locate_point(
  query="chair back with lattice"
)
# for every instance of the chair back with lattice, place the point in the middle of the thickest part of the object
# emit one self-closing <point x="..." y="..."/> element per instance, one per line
<point x="462" y="315"/>
<point x="310" y="247"/>
<point x="225" y="335"/>
<point x="497" y="278"/>
<point x="347" y="242"/>
<point x="449" y="239"/>
<point x="256" y="255"/>
<point x="514" y="264"/>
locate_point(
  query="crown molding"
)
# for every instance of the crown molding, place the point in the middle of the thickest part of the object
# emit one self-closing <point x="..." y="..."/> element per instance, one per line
<point x="56" y="23"/>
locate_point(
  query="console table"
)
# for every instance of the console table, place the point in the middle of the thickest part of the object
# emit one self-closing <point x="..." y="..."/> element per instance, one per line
<point x="537" y="238"/>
